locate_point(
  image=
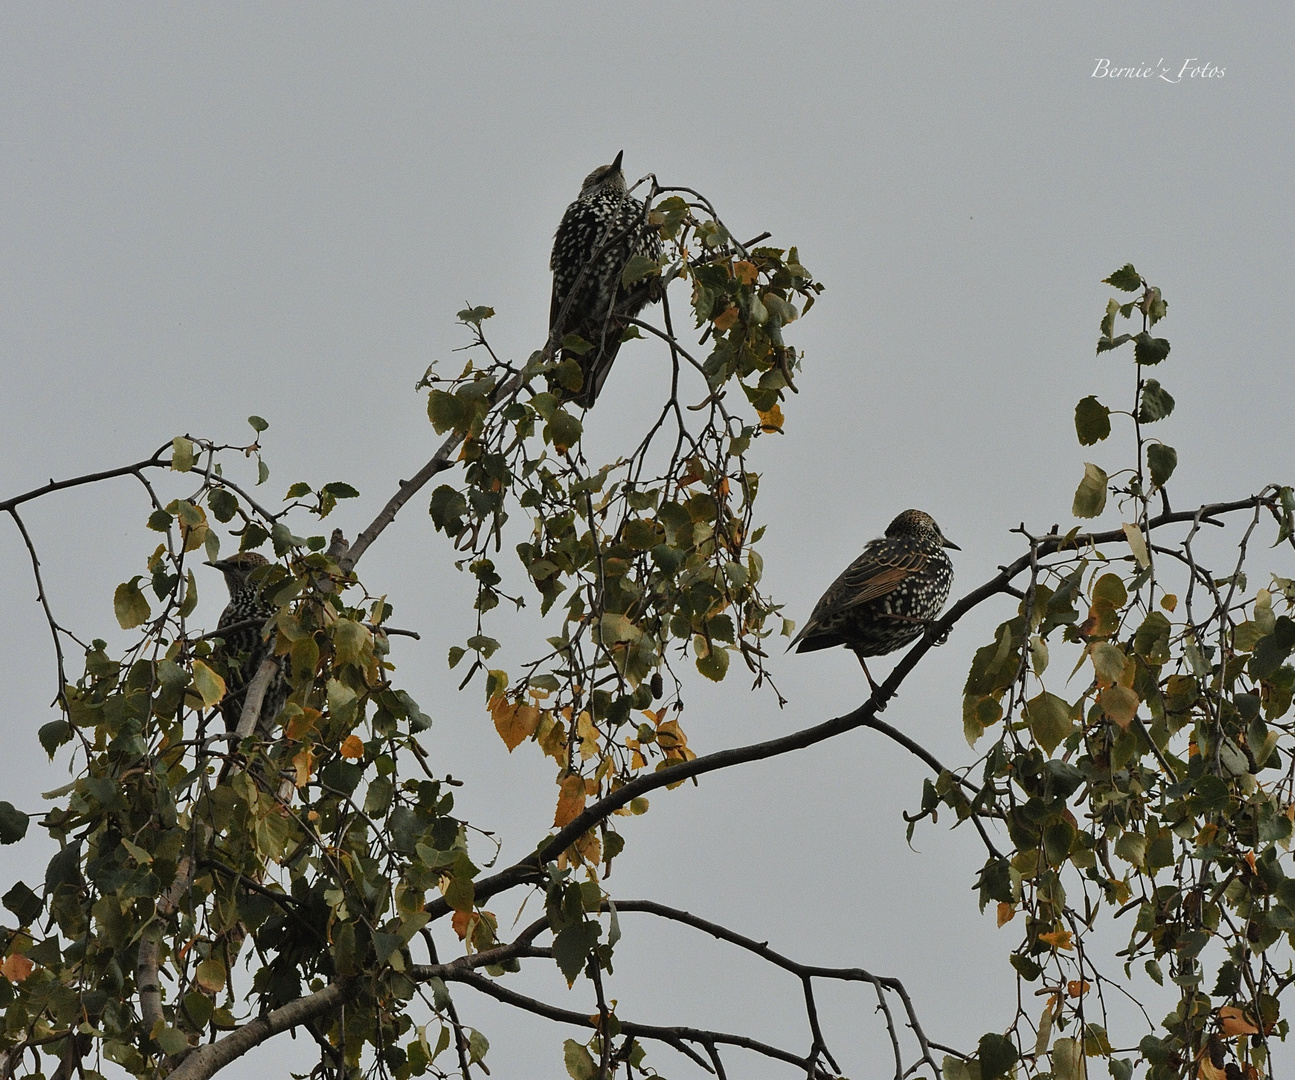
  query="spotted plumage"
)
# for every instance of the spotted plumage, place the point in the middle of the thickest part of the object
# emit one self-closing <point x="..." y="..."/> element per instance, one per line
<point x="243" y="647"/>
<point x="600" y="232"/>
<point x="887" y="596"/>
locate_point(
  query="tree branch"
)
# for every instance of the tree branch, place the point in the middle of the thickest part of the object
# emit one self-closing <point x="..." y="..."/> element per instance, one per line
<point x="677" y="1037"/>
<point x="209" y="1059"/>
<point x="864" y="716"/>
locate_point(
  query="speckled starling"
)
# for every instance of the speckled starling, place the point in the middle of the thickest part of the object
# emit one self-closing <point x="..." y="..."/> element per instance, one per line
<point x="243" y="647"/>
<point x="888" y="596"/>
<point x="600" y="233"/>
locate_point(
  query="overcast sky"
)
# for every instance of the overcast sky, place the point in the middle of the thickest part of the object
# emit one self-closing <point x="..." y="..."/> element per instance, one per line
<point x="214" y="210"/>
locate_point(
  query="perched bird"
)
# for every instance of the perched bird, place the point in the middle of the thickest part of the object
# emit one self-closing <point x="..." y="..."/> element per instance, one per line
<point x="888" y="596"/>
<point x="243" y="648"/>
<point x="600" y="233"/>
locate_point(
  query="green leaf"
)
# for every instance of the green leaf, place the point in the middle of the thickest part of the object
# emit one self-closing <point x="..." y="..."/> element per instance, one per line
<point x="1157" y="403"/>
<point x="54" y="734"/>
<point x="1126" y="279"/>
<point x="258" y="425"/>
<point x="129" y="604"/>
<point x="1090" y="496"/>
<point x="171" y="1041"/>
<point x="182" y="454"/>
<point x="997" y="1054"/>
<point x="262" y="472"/>
<point x="1092" y="421"/>
<point x="573" y="945"/>
<point x="638" y="268"/>
<point x="1151" y="642"/>
<point x="223" y="504"/>
<point x="563" y="430"/>
<point x="1162" y="460"/>
<point x="1049" y="720"/>
<point x="298" y="490"/>
<point x="24" y="903"/>
<point x="475" y="316"/>
<point x="13" y="823"/>
<point x="159" y="521"/>
<point x="580" y="1066"/>
<point x="1149" y="350"/>
<point x="576" y="344"/>
<point x="714" y="665"/>
<point x="340" y="490"/>
<point x="448" y="508"/>
<point x="457" y="653"/>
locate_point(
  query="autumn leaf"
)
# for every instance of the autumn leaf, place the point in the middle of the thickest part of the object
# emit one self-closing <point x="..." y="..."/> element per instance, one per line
<point x="352" y="748"/>
<point x="1006" y="912"/>
<point x="771" y="420"/>
<point x="210" y="686"/>
<point x="571" y="800"/>
<point x="514" y="721"/>
<point x="16" y="967"/>
<point x="302" y="763"/>
<point x="1078" y="987"/>
<point x="726" y="319"/>
<point x="1233" y="1021"/>
<point x="1120" y="704"/>
<point x="1058" y="939"/>
<point x="745" y="272"/>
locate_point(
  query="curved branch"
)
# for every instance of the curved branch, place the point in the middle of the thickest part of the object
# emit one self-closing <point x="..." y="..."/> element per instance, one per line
<point x="678" y="1037"/>
<point x="865" y="715"/>
<point x="154" y="462"/>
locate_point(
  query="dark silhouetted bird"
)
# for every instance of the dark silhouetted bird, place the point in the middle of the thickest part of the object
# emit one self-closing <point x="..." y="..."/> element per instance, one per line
<point x="888" y="596"/>
<point x="244" y="648"/>
<point x="600" y="233"/>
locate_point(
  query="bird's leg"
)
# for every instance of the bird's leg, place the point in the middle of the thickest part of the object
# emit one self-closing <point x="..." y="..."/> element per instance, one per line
<point x="876" y="690"/>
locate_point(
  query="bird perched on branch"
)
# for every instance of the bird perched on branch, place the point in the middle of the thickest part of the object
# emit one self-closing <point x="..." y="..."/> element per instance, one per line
<point x="601" y="232"/>
<point x="243" y="648"/>
<point x="888" y="596"/>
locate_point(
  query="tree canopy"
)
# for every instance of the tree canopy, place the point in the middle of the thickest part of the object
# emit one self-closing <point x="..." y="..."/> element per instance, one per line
<point x="1131" y="760"/>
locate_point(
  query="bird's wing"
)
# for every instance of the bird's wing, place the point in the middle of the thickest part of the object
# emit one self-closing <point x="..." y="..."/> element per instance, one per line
<point x="874" y="574"/>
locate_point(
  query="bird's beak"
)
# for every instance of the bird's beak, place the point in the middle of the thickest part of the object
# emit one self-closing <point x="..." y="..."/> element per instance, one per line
<point x="945" y="542"/>
<point x="217" y="563"/>
<point x="617" y="163"/>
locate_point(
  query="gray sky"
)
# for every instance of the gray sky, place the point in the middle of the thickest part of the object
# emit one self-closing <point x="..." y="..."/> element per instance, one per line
<point x="212" y="211"/>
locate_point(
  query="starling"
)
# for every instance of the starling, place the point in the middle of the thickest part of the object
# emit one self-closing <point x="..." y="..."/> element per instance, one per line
<point x="888" y="596"/>
<point x="244" y="648"/>
<point x="600" y="233"/>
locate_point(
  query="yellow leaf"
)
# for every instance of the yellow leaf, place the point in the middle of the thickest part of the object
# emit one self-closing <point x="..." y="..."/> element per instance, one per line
<point x="589" y="736"/>
<point x="302" y="762"/>
<point x="1120" y="704"/>
<point x="1169" y="601"/>
<point x="210" y="976"/>
<point x="16" y="967"/>
<point x="745" y="272"/>
<point x="1006" y="912"/>
<point x="571" y="800"/>
<point x="1108" y="662"/>
<point x="726" y="319"/>
<point x="301" y="722"/>
<point x="514" y="721"/>
<point x="210" y="686"/>
<point x="1058" y="939"/>
<point x="1137" y="544"/>
<point x="352" y="748"/>
<point x="772" y="420"/>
